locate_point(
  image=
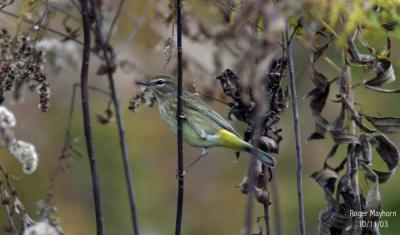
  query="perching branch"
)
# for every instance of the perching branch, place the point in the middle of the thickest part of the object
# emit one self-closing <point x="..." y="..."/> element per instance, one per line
<point x="179" y="118"/>
<point x="296" y="121"/>
<point x="105" y="47"/>
<point x="86" y="117"/>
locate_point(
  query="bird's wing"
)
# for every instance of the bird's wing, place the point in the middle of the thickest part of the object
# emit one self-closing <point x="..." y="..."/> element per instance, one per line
<point x="193" y="102"/>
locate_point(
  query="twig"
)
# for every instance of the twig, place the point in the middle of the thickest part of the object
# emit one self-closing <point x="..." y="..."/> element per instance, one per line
<point x="251" y="173"/>
<point x="276" y="205"/>
<point x="114" y="21"/>
<point x="352" y="158"/>
<point x="296" y="130"/>
<point x="135" y="29"/>
<point x="5" y="200"/>
<point x="67" y="140"/>
<point x="46" y="28"/>
<point x="266" y="204"/>
<point x="86" y="117"/>
<point x="179" y="118"/>
<point x="121" y="130"/>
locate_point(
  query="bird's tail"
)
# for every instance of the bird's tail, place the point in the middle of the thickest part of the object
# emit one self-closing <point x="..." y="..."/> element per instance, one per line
<point x="264" y="157"/>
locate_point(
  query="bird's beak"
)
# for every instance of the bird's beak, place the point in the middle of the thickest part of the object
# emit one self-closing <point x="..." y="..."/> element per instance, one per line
<point x="143" y="83"/>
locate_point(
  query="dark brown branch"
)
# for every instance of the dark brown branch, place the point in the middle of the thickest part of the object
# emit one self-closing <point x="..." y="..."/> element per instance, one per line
<point x="86" y="117"/>
<point x="296" y="121"/>
<point x="121" y="130"/>
<point x="179" y="117"/>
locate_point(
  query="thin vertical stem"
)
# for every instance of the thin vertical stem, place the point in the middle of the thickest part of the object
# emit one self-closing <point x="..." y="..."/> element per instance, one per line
<point x="276" y="205"/>
<point x="86" y="117"/>
<point x="352" y="161"/>
<point x="248" y="217"/>
<point x="179" y="117"/>
<point x="296" y="121"/>
<point x="120" y="125"/>
<point x="266" y="204"/>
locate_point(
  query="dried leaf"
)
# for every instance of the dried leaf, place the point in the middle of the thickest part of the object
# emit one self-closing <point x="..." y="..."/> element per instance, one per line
<point x="383" y="90"/>
<point x="373" y="202"/>
<point x="333" y="218"/>
<point x="385" y="73"/>
<point x="366" y="149"/>
<point x="331" y="153"/>
<point x="390" y="155"/>
<point x="342" y="137"/>
<point x="326" y="178"/>
<point x="320" y="51"/>
<point x="388" y="151"/>
<point x="145" y="98"/>
<point x="321" y="127"/>
<point x="318" y="95"/>
<point x="107" y="117"/>
<point x="385" y="124"/>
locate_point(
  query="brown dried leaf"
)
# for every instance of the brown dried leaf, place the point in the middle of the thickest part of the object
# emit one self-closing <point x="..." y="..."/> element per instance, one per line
<point x="388" y="151"/>
<point x="326" y="178"/>
<point x="390" y="155"/>
<point x="385" y="124"/>
<point x="383" y="90"/>
<point x="373" y="202"/>
<point x="342" y="137"/>
<point x="331" y="153"/>
<point x="321" y="127"/>
<point x="385" y="73"/>
<point x="107" y="117"/>
<point x="318" y="95"/>
<point x="366" y="149"/>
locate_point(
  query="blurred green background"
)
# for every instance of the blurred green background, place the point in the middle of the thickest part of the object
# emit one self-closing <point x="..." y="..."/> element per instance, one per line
<point x="213" y="203"/>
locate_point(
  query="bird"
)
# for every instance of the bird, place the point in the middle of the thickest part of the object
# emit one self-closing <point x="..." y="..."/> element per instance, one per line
<point x="202" y="127"/>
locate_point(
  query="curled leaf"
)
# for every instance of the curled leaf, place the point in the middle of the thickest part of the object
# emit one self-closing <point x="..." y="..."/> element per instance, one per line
<point x="366" y="149"/>
<point x="342" y="137"/>
<point x="385" y="73"/>
<point x="326" y="178"/>
<point x="107" y="117"/>
<point x="373" y="202"/>
<point x="385" y="124"/>
<point x="390" y="155"/>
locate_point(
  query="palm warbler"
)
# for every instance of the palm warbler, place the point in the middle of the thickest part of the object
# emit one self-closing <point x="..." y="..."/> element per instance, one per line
<point x="202" y="126"/>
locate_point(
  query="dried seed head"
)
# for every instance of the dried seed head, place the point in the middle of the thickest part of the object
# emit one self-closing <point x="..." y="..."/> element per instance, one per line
<point x="22" y="61"/>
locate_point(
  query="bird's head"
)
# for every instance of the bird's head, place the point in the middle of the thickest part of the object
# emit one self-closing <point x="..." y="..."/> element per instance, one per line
<point x="162" y="86"/>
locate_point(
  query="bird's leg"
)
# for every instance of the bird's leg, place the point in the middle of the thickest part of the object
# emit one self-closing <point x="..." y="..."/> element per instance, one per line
<point x="202" y="155"/>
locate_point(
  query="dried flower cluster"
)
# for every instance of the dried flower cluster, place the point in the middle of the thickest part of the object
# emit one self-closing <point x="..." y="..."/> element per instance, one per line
<point x="22" y="62"/>
<point x="144" y="98"/>
<point x="23" y="151"/>
<point x="243" y="109"/>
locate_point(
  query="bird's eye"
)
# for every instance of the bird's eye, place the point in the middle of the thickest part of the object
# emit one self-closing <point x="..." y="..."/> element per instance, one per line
<point x="160" y="82"/>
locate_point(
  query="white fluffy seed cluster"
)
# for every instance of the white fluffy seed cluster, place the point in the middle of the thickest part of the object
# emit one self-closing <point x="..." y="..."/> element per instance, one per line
<point x="23" y="151"/>
<point x="7" y="118"/>
<point x="41" y="228"/>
